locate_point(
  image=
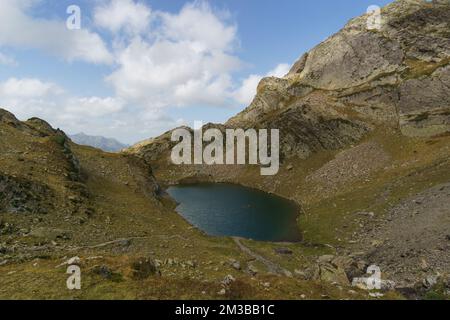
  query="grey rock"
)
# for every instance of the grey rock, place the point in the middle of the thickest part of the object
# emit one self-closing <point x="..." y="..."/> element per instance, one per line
<point x="144" y="268"/>
<point x="325" y="258"/>
<point x="283" y="251"/>
<point x="235" y="264"/>
<point x="229" y="279"/>
<point x="331" y="274"/>
<point x="252" y="270"/>
<point x="191" y="264"/>
<point x="430" y="281"/>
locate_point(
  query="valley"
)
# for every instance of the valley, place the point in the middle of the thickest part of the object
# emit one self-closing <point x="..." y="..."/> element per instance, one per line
<point x="364" y="122"/>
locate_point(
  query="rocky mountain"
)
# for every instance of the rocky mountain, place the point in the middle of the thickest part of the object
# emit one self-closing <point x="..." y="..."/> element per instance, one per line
<point x="105" y="144"/>
<point x="359" y="79"/>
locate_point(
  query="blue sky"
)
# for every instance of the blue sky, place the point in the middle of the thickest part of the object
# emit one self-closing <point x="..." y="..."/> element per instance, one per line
<point x="138" y="68"/>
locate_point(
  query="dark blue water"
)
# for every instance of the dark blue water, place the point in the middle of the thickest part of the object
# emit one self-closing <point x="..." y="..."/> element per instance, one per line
<point x="232" y="210"/>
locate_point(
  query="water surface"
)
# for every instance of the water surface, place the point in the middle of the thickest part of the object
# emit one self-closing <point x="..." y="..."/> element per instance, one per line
<point x="233" y="210"/>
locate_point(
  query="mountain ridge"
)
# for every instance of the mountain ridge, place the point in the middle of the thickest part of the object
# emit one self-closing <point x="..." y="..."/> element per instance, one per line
<point x="103" y="143"/>
<point x="359" y="79"/>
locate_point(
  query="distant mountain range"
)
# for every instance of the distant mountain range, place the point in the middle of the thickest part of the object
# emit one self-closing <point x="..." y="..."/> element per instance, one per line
<point x="105" y="144"/>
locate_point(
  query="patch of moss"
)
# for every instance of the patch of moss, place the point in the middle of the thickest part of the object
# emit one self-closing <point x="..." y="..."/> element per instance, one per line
<point x="59" y="139"/>
<point x="418" y="68"/>
<point x="436" y="294"/>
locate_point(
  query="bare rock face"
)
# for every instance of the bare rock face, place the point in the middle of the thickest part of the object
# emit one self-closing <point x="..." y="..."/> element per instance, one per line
<point x="424" y="105"/>
<point x="351" y="58"/>
<point x="23" y="196"/>
<point x="8" y="118"/>
<point x="395" y="76"/>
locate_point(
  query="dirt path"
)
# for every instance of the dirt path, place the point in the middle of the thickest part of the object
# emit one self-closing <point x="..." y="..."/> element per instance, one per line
<point x="271" y="266"/>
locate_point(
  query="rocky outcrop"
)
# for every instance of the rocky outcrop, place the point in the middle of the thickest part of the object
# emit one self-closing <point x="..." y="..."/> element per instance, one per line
<point x="23" y="196"/>
<point x="418" y="249"/>
<point x="424" y="104"/>
<point x="356" y="80"/>
<point x="359" y="78"/>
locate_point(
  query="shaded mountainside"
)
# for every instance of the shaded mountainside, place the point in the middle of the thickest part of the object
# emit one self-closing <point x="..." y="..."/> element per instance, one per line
<point x="356" y="81"/>
<point x="365" y="145"/>
<point x="46" y="180"/>
<point x="397" y="76"/>
<point x="105" y="144"/>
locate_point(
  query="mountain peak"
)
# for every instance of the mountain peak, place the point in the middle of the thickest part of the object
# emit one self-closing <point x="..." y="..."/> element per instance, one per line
<point x="105" y="144"/>
<point x="375" y="75"/>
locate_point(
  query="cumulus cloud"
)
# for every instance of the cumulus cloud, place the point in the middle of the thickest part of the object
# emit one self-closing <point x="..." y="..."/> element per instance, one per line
<point x="93" y="106"/>
<point x="123" y="15"/>
<point x="31" y="93"/>
<point x="187" y="61"/>
<point x="20" y="29"/>
<point x="198" y="24"/>
<point x="27" y="88"/>
<point x="28" y="97"/>
<point x="280" y="70"/>
<point x="31" y="97"/>
<point x="7" y="60"/>
<point x="247" y="90"/>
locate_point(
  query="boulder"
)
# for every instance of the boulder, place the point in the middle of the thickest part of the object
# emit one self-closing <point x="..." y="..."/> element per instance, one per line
<point x="332" y="274"/>
<point x="143" y="268"/>
<point x="103" y="271"/>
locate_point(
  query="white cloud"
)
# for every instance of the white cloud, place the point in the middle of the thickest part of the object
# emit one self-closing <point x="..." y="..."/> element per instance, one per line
<point x="29" y="97"/>
<point x="189" y="61"/>
<point x="93" y="106"/>
<point x="27" y="88"/>
<point x="29" y="94"/>
<point x="280" y="71"/>
<point x="19" y="29"/>
<point x="247" y="91"/>
<point x="7" y="60"/>
<point x="199" y="25"/>
<point x="126" y="15"/>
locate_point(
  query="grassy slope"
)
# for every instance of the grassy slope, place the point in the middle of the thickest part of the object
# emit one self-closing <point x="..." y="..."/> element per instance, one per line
<point x="122" y="209"/>
<point x="330" y="218"/>
<point x="411" y="165"/>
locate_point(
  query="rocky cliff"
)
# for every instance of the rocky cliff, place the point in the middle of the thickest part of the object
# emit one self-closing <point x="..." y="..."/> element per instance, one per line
<point x="361" y="78"/>
<point x="396" y="76"/>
